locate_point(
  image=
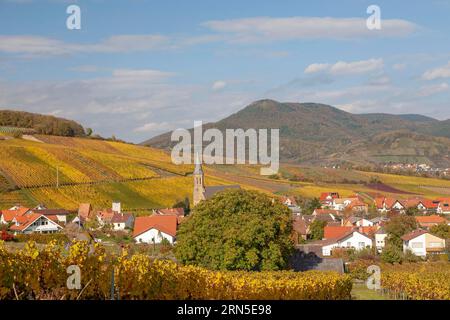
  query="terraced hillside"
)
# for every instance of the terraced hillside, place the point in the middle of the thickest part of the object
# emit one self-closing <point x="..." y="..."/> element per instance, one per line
<point x="65" y="171"/>
<point x="62" y="172"/>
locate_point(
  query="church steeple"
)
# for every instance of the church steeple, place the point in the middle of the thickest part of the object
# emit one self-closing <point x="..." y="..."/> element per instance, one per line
<point x="198" y="165"/>
<point x="199" y="189"/>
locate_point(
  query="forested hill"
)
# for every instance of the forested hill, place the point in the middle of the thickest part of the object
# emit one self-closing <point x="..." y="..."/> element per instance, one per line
<point x="42" y="124"/>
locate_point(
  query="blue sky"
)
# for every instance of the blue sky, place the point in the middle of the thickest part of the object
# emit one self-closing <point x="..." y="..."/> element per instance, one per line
<point x="138" y="68"/>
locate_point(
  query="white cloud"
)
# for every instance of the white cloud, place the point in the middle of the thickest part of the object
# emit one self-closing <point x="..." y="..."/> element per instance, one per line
<point x="427" y="91"/>
<point x="265" y="29"/>
<point x="437" y="73"/>
<point x="37" y="45"/>
<point x="341" y="67"/>
<point x="155" y="126"/>
<point x="218" y="85"/>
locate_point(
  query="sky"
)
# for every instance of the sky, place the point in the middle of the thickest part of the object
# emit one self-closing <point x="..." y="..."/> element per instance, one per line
<point x="139" y="68"/>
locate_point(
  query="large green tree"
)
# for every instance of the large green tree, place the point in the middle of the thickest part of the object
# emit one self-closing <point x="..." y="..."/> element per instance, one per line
<point x="236" y="230"/>
<point x="397" y="227"/>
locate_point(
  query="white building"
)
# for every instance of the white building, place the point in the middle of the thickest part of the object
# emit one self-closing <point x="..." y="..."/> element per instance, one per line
<point x="155" y="228"/>
<point x="380" y="239"/>
<point x="34" y="223"/>
<point x="353" y="239"/>
<point x="421" y="243"/>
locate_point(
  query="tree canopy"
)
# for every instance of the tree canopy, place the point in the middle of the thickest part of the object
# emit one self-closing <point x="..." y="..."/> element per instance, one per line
<point x="236" y="230"/>
<point x="398" y="227"/>
<point x="43" y="124"/>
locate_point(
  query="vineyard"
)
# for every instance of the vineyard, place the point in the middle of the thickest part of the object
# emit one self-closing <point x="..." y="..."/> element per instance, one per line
<point x="41" y="274"/>
<point x="424" y="281"/>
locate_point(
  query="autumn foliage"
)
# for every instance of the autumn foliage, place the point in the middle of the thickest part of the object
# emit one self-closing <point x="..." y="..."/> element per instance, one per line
<point x="41" y="274"/>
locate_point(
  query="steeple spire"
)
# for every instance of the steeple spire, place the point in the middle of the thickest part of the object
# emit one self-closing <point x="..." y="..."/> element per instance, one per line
<point x="198" y="165"/>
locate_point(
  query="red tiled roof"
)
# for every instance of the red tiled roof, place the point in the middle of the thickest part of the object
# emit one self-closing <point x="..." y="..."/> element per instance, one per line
<point x="326" y="211"/>
<point x="430" y="219"/>
<point x="9" y="215"/>
<point x="25" y="221"/>
<point x="335" y="232"/>
<point x="291" y="199"/>
<point x="325" y="195"/>
<point x="414" y="234"/>
<point x="430" y="204"/>
<point x="164" y="223"/>
<point x="106" y="215"/>
<point x="84" y="210"/>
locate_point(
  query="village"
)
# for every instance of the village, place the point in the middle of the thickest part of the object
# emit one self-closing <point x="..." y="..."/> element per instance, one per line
<point x="345" y="222"/>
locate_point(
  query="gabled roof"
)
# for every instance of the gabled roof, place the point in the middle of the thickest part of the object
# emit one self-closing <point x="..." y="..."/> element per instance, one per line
<point x="171" y="211"/>
<point x="84" y="210"/>
<point x="335" y="232"/>
<point x="299" y="225"/>
<point x="332" y="195"/>
<point x="430" y="219"/>
<point x="414" y="234"/>
<point x="326" y="211"/>
<point x="164" y="223"/>
<point x="9" y="215"/>
<point x="51" y="212"/>
<point x="121" y="217"/>
<point x="291" y="199"/>
<point x="25" y="221"/>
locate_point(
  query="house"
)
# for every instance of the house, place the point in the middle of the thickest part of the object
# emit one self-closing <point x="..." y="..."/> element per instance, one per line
<point x="34" y="223"/>
<point x="327" y="198"/>
<point x="334" y="232"/>
<point x="358" y="206"/>
<point x="352" y="239"/>
<point x="7" y="216"/>
<point x="430" y="205"/>
<point x="384" y="204"/>
<point x="57" y="215"/>
<point x="317" y="212"/>
<point x="155" y="228"/>
<point x="379" y="221"/>
<point x="178" y="212"/>
<point x="427" y="222"/>
<point x="84" y="211"/>
<point x="380" y="239"/>
<point x="104" y="217"/>
<point x="357" y="222"/>
<point x="444" y="206"/>
<point x="300" y="227"/>
<point x="330" y="219"/>
<point x="289" y="201"/>
<point x="421" y="243"/>
<point x="121" y="221"/>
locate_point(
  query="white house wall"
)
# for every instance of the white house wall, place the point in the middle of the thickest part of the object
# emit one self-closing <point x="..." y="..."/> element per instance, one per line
<point x="158" y="236"/>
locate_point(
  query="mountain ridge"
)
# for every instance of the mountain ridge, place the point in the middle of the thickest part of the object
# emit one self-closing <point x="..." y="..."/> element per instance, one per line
<point x="319" y="133"/>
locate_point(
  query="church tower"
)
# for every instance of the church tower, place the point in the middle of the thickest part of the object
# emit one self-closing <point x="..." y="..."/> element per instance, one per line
<point x="199" y="188"/>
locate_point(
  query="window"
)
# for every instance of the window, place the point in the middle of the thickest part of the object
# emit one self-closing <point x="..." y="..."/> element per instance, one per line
<point x="362" y="244"/>
<point x="349" y="244"/>
<point x="417" y="245"/>
<point x="435" y="245"/>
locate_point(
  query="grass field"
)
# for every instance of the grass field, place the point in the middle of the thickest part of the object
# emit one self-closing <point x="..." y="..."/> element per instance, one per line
<point x="99" y="172"/>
